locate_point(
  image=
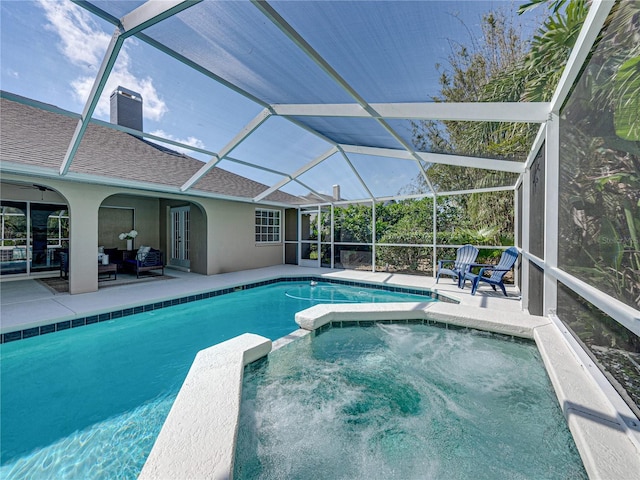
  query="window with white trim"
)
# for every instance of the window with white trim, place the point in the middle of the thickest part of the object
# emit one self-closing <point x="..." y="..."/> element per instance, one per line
<point x="267" y="226"/>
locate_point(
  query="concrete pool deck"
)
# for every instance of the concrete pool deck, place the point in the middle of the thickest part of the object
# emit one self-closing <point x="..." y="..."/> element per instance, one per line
<point x="606" y="446"/>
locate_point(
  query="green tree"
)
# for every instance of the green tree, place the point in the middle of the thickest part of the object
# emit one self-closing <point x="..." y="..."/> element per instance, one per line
<point x="503" y="67"/>
<point x="352" y="223"/>
<point x="407" y="222"/>
<point x="492" y="71"/>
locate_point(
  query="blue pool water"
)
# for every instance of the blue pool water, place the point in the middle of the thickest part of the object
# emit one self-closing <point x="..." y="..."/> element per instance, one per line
<point x="403" y="402"/>
<point x="89" y="402"/>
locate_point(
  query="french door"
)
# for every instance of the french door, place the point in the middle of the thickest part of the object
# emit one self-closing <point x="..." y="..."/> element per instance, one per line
<point x="180" y="241"/>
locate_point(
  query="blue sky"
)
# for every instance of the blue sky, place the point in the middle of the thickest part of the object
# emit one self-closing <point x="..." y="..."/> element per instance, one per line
<point x="52" y="49"/>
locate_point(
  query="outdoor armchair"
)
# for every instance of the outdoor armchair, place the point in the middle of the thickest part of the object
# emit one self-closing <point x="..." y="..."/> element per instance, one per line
<point x="465" y="255"/>
<point x="64" y="264"/>
<point x="496" y="272"/>
<point x="145" y="259"/>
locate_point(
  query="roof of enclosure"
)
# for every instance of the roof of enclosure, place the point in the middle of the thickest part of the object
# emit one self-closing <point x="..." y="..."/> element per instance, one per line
<point x="308" y="94"/>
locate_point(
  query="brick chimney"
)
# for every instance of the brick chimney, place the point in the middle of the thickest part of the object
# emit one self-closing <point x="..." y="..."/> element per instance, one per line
<point x="126" y="108"/>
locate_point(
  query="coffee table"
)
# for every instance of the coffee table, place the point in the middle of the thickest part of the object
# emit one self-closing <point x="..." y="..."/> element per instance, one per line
<point x="109" y="269"/>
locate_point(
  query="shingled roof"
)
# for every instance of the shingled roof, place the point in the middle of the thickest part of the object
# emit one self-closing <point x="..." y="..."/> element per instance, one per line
<point x="40" y="138"/>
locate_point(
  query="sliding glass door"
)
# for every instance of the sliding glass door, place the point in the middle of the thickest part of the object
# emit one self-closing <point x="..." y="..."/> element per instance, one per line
<point x="31" y="236"/>
<point x="15" y="237"/>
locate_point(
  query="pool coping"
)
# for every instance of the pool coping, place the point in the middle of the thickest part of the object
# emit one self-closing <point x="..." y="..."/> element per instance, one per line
<point x="213" y="389"/>
<point x="605" y="447"/>
<point x="36" y="328"/>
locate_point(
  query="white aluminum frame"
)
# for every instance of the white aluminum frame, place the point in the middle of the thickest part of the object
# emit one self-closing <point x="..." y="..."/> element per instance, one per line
<point x="552" y="185"/>
<point x="146" y="15"/>
<point x="288" y="178"/>
<point x="545" y="113"/>
<point x="237" y="140"/>
<point x="526" y="112"/>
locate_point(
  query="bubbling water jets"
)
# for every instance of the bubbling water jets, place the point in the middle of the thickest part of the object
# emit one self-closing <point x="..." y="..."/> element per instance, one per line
<point x="346" y="408"/>
<point x="280" y="439"/>
<point x="370" y="392"/>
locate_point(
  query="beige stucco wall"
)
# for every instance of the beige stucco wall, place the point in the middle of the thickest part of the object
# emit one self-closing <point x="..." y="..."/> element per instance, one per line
<point x="231" y="233"/>
<point x="83" y="201"/>
<point x="146" y="221"/>
<point x="111" y="222"/>
<point x="199" y="248"/>
<point x="222" y="232"/>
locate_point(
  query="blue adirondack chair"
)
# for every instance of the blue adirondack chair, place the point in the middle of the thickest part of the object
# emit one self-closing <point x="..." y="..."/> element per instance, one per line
<point x="465" y="255"/>
<point x="507" y="260"/>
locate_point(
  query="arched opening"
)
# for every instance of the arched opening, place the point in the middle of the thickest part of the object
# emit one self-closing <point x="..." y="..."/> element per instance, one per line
<point x="176" y="228"/>
<point x="186" y="235"/>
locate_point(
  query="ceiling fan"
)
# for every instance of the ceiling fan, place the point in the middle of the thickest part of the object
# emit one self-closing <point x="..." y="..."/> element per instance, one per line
<point x="33" y="186"/>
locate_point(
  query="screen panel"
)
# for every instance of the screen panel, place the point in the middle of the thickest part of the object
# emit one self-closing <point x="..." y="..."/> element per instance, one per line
<point x="599" y="215"/>
<point x="537" y="202"/>
<point x="614" y="349"/>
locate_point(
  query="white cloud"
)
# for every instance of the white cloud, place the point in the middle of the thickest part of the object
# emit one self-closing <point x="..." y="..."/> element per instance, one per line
<point x="192" y="141"/>
<point x="84" y="44"/>
<point x="81" y="39"/>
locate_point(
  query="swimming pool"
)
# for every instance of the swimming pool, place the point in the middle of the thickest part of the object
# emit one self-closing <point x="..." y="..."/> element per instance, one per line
<point x="89" y="402"/>
<point x="403" y="402"/>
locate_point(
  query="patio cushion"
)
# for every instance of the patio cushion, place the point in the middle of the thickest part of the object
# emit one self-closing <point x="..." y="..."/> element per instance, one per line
<point x="143" y="251"/>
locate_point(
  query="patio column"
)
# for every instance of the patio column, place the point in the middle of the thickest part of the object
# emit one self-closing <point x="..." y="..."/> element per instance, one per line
<point x="83" y="238"/>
